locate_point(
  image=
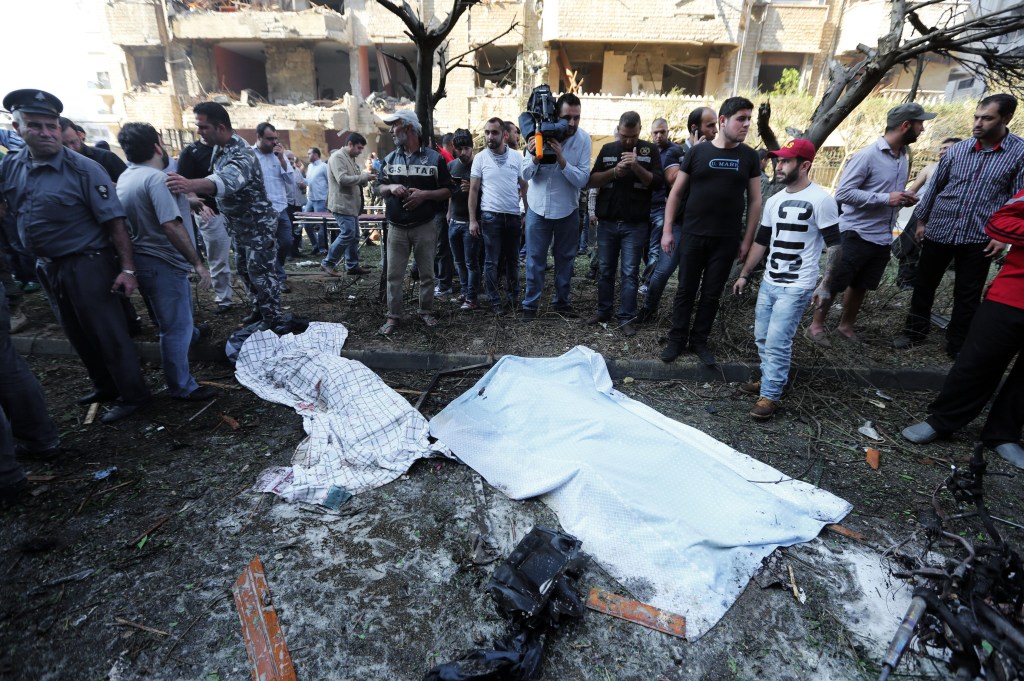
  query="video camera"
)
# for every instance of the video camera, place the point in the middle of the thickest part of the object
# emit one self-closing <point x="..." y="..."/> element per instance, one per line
<point x="542" y="122"/>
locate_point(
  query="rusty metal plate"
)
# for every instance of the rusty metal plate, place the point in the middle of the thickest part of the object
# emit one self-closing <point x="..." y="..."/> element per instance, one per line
<point x="637" y="612"/>
<point x="264" y="640"/>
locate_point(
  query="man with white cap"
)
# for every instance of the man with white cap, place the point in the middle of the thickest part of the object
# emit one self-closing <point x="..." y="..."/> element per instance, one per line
<point x="413" y="180"/>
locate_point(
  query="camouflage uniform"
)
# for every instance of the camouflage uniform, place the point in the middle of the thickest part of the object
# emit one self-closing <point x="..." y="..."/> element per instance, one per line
<point x="251" y="221"/>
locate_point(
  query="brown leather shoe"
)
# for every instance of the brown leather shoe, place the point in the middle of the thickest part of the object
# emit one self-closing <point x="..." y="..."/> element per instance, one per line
<point x="751" y="387"/>
<point x="331" y="271"/>
<point x="764" y="409"/>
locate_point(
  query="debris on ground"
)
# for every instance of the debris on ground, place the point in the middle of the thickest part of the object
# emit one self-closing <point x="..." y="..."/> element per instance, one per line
<point x="868" y="430"/>
<point x="535" y="590"/>
<point x="637" y="612"/>
<point x="264" y="640"/>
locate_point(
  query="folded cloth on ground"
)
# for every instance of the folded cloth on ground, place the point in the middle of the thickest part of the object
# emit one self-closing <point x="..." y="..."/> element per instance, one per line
<point x="361" y="433"/>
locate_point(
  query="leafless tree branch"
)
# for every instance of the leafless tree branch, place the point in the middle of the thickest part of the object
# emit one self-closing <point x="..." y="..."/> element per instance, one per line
<point x="957" y="36"/>
<point x="454" y="60"/>
<point x="406" y="14"/>
<point x="404" y="62"/>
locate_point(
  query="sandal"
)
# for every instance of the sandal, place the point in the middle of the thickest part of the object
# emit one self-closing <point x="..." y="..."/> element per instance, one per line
<point x="429" y="319"/>
<point x="820" y="339"/>
<point x="389" y="327"/>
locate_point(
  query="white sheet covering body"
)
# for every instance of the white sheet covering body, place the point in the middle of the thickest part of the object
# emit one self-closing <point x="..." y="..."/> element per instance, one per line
<point x="362" y="434"/>
<point x="667" y="510"/>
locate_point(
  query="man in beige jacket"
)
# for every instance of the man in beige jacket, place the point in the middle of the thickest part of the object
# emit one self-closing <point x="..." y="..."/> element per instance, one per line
<point x="344" y="199"/>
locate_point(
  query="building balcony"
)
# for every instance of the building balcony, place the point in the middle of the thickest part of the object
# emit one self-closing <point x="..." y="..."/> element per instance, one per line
<point x="248" y="25"/>
<point x="135" y="24"/>
<point x="791" y="28"/>
<point x="699" y="21"/>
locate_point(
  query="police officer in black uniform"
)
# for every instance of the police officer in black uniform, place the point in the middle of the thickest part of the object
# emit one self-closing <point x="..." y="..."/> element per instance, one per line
<point x="68" y="215"/>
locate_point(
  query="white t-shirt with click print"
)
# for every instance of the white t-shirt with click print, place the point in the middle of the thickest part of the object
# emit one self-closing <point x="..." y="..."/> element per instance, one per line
<point x="796" y="222"/>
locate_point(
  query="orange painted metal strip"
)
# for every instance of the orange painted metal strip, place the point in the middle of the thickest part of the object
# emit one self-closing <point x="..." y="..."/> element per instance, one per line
<point x="846" y="532"/>
<point x="264" y="640"/>
<point x="637" y="612"/>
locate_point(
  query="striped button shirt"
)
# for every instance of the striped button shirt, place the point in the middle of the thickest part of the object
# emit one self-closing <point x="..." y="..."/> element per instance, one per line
<point x="970" y="184"/>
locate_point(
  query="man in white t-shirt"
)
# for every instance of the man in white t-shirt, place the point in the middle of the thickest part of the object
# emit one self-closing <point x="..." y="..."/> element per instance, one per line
<point x="495" y="188"/>
<point x="794" y="224"/>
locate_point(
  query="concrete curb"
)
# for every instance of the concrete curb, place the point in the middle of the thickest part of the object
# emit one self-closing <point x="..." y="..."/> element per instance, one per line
<point x="651" y="369"/>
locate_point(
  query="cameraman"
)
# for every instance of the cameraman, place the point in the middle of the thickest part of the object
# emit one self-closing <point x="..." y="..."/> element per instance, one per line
<point x="553" y="213"/>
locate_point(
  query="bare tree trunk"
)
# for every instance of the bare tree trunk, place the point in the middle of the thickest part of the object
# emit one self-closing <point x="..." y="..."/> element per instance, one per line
<point x="912" y="95"/>
<point x="424" y="90"/>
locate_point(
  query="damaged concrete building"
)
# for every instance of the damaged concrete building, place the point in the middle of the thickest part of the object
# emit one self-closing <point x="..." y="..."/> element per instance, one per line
<point x="321" y="70"/>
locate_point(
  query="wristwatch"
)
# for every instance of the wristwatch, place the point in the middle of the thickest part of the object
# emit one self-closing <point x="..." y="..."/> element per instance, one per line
<point x="128" y="272"/>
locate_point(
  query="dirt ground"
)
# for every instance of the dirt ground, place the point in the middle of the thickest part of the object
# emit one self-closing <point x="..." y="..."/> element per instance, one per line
<point x="128" y="576"/>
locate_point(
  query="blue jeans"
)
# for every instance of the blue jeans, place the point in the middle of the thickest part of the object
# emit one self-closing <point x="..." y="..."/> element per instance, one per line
<point x="615" y="239"/>
<point x="585" y="234"/>
<point x="168" y="294"/>
<point x="444" y="266"/>
<point x="654" y="244"/>
<point x="666" y="265"/>
<point x="776" y="317"/>
<point x="465" y="249"/>
<point x="317" y="240"/>
<point x="346" y="244"/>
<point x="284" y="241"/>
<point x="502" y="233"/>
<point x="540" y="231"/>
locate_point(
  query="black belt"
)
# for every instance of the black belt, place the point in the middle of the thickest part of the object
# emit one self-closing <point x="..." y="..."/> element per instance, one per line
<point x="61" y="258"/>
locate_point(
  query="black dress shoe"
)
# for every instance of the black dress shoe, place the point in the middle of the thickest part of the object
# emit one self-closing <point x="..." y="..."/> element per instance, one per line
<point x="200" y="394"/>
<point x="565" y="310"/>
<point x="672" y="350"/>
<point x="118" y="412"/>
<point x="97" y="396"/>
<point x="204" y="333"/>
<point x="706" y="357"/>
<point x="906" y="342"/>
<point x="357" y="271"/>
<point x="11" y="495"/>
<point x="253" y="317"/>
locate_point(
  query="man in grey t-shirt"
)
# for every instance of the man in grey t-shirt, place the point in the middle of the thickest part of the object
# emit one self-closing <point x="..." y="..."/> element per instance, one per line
<point x="164" y="253"/>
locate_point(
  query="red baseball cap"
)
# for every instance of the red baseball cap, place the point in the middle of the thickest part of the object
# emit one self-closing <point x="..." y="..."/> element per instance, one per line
<point x="793" y="148"/>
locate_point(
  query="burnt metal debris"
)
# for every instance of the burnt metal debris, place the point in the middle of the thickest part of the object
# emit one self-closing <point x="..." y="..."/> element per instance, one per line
<point x="535" y="589"/>
<point x="968" y="610"/>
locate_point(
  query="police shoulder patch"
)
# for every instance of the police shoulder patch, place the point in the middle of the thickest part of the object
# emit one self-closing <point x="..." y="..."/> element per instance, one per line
<point x="103" y="190"/>
<point x="645" y="150"/>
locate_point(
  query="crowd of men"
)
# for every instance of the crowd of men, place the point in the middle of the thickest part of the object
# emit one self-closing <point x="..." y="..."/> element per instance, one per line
<point x="99" y="230"/>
